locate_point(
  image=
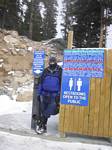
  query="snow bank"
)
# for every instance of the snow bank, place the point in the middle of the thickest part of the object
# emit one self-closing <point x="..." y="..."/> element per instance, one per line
<point x="8" y="106"/>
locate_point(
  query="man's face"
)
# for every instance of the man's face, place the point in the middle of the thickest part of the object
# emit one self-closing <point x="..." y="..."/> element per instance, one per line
<point x="52" y="65"/>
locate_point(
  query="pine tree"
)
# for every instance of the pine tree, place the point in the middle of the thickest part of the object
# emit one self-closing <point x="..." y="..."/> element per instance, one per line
<point x="37" y="22"/>
<point x="49" y="20"/>
<point x="2" y="12"/>
<point x="87" y="29"/>
<point x="33" y="21"/>
<point x="88" y="19"/>
<point x="11" y="14"/>
<point x="67" y="17"/>
<point x="105" y="20"/>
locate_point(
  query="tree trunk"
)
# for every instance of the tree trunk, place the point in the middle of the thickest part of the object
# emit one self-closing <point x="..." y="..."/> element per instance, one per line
<point x="101" y="40"/>
<point x="31" y="20"/>
<point x="106" y="17"/>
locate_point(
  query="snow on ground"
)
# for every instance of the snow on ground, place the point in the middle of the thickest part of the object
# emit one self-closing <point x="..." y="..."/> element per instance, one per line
<point x="16" y="116"/>
<point x="12" y="142"/>
<point x="8" y="106"/>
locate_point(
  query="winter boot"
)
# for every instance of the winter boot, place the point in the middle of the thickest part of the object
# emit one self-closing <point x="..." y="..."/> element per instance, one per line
<point x="41" y="129"/>
<point x="41" y="126"/>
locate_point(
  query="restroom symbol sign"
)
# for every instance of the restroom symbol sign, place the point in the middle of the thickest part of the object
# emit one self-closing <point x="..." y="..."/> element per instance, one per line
<point x="78" y="84"/>
<point x="75" y="90"/>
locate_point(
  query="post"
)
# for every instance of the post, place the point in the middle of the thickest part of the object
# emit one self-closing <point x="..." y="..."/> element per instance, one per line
<point x="35" y="103"/>
<point x="69" y="45"/>
<point x="70" y="39"/>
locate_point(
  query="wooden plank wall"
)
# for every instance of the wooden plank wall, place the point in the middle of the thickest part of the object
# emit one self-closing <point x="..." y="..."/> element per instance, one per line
<point x="96" y="119"/>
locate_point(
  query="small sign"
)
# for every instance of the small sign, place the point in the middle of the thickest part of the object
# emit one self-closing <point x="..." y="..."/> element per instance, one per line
<point x="75" y="90"/>
<point x="84" y="63"/>
<point x="38" y="62"/>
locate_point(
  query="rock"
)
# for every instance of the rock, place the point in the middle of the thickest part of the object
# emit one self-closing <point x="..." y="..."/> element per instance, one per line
<point x="22" y="52"/>
<point x="19" y="74"/>
<point x="23" y="79"/>
<point x="17" y="49"/>
<point x="30" y="49"/>
<point x="11" y="73"/>
<point x="5" y="50"/>
<point x="5" y="91"/>
<point x="21" y="46"/>
<point x="9" y="32"/>
<point x="7" y="67"/>
<point x="1" y="60"/>
<point x="26" y="96"/>
<point x="11" y="40"/>
<point x="14" y="34"/>
<point x="1" y="65"/>
<point x="13" y="52"/>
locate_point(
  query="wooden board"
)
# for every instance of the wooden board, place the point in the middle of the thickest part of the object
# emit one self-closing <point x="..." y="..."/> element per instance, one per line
<point x="96" y="119"/>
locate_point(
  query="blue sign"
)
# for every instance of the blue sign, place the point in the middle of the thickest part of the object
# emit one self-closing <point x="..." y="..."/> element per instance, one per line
<point x="38" y="62"/>
<point x="84" y="63"/>
<point x="75" y="90"/>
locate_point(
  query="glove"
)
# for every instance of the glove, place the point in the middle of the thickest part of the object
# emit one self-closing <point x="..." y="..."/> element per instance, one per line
<point x="57" y="100"/>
